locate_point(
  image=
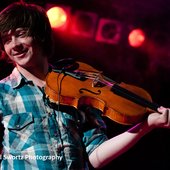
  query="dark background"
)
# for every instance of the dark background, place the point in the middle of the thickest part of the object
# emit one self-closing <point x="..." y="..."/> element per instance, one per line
<point x="147" y="66"/>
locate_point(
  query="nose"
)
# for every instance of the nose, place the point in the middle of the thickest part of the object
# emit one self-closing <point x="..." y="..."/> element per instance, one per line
<point x="16" y="44"/>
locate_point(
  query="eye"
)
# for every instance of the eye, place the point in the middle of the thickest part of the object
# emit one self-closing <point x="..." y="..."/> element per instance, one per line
<point x="21" y="33"/>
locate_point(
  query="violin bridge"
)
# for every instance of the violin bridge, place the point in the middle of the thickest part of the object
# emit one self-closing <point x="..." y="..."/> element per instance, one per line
<point x="97" y="83"/>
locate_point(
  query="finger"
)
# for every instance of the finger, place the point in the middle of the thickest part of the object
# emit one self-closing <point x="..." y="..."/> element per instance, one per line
<point x="162" y="109"/>
<point x="165" y="115"/>
<point x="168" y="116"/>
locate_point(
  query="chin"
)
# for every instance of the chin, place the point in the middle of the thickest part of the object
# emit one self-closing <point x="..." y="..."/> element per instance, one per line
<point x="24" y="63"/>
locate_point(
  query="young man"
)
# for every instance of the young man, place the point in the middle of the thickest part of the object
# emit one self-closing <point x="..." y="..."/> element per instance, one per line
<point x="37" y="136"/>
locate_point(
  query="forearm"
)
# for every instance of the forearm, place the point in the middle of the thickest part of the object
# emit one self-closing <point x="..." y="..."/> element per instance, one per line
<point x="115" y="146"/>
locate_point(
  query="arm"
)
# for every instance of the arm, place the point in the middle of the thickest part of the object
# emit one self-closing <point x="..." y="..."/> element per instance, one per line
<point x="117" y="145"/>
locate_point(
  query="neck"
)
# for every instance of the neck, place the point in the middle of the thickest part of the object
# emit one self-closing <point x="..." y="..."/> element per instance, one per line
<point x="37" y="74"/>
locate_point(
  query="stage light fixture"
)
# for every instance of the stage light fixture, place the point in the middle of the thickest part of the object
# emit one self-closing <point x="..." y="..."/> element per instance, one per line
<point x="109" y="31"/>
<point x="84" y="23"/>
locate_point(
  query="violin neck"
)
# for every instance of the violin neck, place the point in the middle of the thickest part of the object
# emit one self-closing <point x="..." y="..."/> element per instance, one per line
<point x="117" y="89"/>
<point x="133" y="97"/>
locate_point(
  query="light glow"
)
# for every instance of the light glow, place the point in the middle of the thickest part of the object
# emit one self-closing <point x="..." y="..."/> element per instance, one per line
<point x="136" y="37"/>
<point x="57" y="17"/>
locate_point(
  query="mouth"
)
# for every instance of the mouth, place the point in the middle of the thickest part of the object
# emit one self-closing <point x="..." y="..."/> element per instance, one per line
<point x="20" y="54"/>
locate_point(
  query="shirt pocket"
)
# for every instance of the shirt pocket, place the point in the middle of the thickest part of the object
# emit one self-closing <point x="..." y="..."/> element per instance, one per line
<point x="19" y="129"/>
<point x="19" y="121"/>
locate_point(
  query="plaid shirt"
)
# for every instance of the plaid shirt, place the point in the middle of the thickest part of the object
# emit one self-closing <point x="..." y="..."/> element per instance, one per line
<point x="39" y="137"/>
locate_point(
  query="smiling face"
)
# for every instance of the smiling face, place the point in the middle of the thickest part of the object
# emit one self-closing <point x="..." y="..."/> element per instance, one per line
<point x="18" y="42"/>
<point x="21" y="48"/>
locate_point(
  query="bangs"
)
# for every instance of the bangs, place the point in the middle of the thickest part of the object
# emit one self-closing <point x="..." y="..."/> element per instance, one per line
<point x="28" y="18"/>
<point x="15" y="23"/>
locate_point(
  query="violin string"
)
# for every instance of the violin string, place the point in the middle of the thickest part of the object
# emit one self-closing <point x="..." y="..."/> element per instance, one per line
<point x="98" y="77"/>
<point x="129" y="95"/>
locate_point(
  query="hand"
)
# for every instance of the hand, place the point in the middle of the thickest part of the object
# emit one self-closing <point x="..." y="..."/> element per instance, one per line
<point x="161" y="119"/>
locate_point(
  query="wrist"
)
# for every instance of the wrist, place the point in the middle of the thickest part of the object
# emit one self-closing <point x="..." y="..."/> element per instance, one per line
<point x="141" y="127"/>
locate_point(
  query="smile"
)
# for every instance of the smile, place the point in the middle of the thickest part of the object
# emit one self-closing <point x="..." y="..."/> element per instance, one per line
<point x="20" y="54"/>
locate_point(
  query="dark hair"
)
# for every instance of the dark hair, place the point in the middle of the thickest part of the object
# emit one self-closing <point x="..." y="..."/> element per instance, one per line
<point x="32" y="17"/>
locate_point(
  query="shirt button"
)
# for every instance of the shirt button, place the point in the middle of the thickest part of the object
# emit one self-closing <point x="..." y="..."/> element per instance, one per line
<point x="49" y="114"/>
<point x="18" y="126"/>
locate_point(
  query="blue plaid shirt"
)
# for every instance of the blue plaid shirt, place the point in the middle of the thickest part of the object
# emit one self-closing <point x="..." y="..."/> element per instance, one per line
<point x="39" y="137"/>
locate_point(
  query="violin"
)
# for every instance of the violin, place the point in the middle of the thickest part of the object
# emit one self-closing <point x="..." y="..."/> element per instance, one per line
<point x="84" y="85"/>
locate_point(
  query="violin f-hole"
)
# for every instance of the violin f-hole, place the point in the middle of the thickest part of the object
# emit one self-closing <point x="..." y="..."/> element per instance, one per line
<point x="84" y="89"/>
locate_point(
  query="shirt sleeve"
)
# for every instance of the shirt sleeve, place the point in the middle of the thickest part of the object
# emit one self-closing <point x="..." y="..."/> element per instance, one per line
<point x="94" y="129"/>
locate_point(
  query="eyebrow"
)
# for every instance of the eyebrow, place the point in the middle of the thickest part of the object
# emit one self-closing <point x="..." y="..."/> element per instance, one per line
<point x="6" y="33"/>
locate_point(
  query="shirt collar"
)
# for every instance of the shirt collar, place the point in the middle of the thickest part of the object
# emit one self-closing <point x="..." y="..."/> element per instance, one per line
<point x="18" y="79"/>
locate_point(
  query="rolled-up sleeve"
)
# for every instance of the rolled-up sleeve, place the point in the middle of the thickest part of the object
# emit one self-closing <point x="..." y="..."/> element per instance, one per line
<point x="94" y="133"/>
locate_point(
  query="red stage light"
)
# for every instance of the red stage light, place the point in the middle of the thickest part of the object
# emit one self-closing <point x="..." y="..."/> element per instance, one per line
<point x="136" y="37"/>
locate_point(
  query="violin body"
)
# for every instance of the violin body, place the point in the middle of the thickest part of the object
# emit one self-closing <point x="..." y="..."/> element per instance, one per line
<point x="67" y="90"/>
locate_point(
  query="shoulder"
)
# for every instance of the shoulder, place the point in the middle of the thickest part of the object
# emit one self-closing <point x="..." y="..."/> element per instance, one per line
<point x="5" y="82"/>
<point x="10" y="81"/>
